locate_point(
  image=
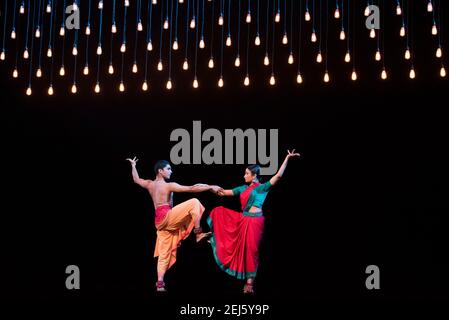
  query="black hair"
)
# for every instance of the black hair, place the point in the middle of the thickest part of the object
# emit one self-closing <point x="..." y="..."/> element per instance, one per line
<point x="255" y="169"/>
<point x="160" y="164"/>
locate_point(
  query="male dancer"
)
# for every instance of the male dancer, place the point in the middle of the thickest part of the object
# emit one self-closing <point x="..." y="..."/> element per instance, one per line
<point x="173" y="224"/>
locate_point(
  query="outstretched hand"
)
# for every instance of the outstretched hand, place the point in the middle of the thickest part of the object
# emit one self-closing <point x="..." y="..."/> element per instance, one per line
<point x="133" y="161"/>
<point x="217" y="190"/>
<point x="291" y="154"/>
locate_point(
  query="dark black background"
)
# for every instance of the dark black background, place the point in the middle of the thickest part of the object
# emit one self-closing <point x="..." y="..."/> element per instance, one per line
<point x="370" y="188"/>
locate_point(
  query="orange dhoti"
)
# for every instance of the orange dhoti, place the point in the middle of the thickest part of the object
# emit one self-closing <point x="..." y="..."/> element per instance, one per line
<point x="179" y="221"/>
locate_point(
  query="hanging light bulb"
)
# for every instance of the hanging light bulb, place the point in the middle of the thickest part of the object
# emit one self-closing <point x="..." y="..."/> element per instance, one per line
<point x="353" y="75"/>
<point x="237" y="61"/>
<point x="150" y="46"/>
<point x="284" y="39"/>
<point x="347" y="56"/>
<point x="248" y="17"/>
<point x="86" y="70"/>
<point x="398" y="10"/>
<point x="74" y="88"/>
<point x="383" y="75"/>
<point x="192" y="23"/>
<point x="337" y="13"/>
<point x="175" y="45"/>
<point x="246" y="81"/>
<point x="28" y="92"/>
<point x="181" y="1"/>
<point x="169" y="85"/>
<point x="407" y="54"/>
<point x="372" y="34"/>
<point x="121" y="87"/>
<point x="442" y="72"/>
<point x="75" y="51"/>
<point x="378" y="56"/>
<point x="48" y="7"/>
<point x="429" y="6"/>
<point x="299" y="78"/>
<point x="202" y="44"/>
<point x="2" y="56"/>
<point x="15" y="73"/>
<point x="62" y="31"/>
<point x="49" y="53"/>
<point x="195" y="83"/>
<point x="257" y="40"/>
<point x="166" y="24"/>
<point x="319" y="57"/>
<point x="123" y="48"/>
<point x="97" y="88"/>
<point x="62" y="71"/>
<point x="50" y="90"/>
<point x="439" y="52"/>
<point x="26" y="54"/>
<point x="367" y="11"/>
<point x="135" y="67"/>
<point x="220" y="82"/>
<point x="126" y="3"/>
<point x="307" y="15"/>
<point x="277" y="18"/>
<point x="211" y="63"/>
<point x="220" y="20"/>
<point x="272" y="80"/>
<point x="290" y="58"/>
<point x="145" y="86"/>
<point x="412" y="73"/>
<point x="402" y="31"/>
<point x="342" y="34"/>
<point x="160" y="66"/>
<point x="75" y="6"/>
<point x="139" y="26"/>
<point x="39" y="73"/>
<point x="313" y="36"/>
<point x="154" y="1"/>
<point x="266" y="60"/>
<point x="100" y="5"/>
<point x="22" y="8"/>
<point x="326" y="77"/>
<point x="37" y="34"/>
<point x="88" y="30"/>
<point x="434" y="29"/>
<point x="111" y="69"/>
<point x="185" y="65"/>
<point x="99" y="50"/>
<point x="114" y="28"/>
<point x="228" y="41"/>
<point x="13" y="34"/>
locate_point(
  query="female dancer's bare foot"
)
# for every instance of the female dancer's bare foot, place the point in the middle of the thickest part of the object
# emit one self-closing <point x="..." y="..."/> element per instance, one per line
<point x="203" y="235"/>
<point x="248" y="288"/>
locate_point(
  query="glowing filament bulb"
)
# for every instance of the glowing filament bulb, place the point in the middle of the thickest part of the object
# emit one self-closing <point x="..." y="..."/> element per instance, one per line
<point x="48" y="8"/>
<point x="2" y="56"/>
<point x="284" y="39"/>
<point x="169" y="85"/>
<point x="121" y="87"/>
<point x="123" y="48"/>
<point x="202" y="44"/>
<point x="313" y="37"/>
<point x="299" y="78"/>
<point x="150" y="46"/>
<point x="139" y="26"/>
<point x="192" y="23"/>
<point x="28" y="92"/>
<point x="246" y="81"/>
<point x="26" y="54"/>
<point x="412" y="73"/>
<point x="228" y="41"/>
<point x="62" y="71"/>
<point x="434" y="29"/>
<point x="407" y="54"/>
<point x="378" y="56"/>
<point x="39" y="73"/>
<point x="347" y="57"/>
<point x="87" y="30"/>
<point x="145" y="86"/>
<point x="257" y="41"/>
<point x="134" y="68"/>
<point x="248" y="17"/>
<point x="37" y="33"/>
<point x="75" y="51"/>
<point x="290" y="58"/>
<point x="307" y="15"/>
<point x="49" y="53"/>
<point x="15" y="73"/>
<point x="175" y="45"/>
<point x="220" y="20"/>
<point x="353" y="75"/>
<point x="62" y="31"/>
<point x="372" y="34"/>
<point x="367" y="11"/>
<point x="319" y="57"/>
<point x="326" y="77"/>
<point x="126" y="3"/>
<point x="160" y="66"/>
<point x="97" y="88"/>
<point x="154" y="2"/>
<point x="114" y="28"/>
<point x="266" y="60"/>
<point x="237" y="61"/>
<point x="13" y="34"/>
<point x="272" y="80"/>
<point x="99" y="50"/>
<point x="442" y="72"/>
<point x="398" y="10"/>
<point x="74" y="89"/>
<point x="86" y="70"/>
<point x="181" y="1"/>
<point x="342" y="34"/>
<point x="111" y="69"/>
<point x="185" y="65"/>
<point x="383" y="75"/>
<point x="402" y="31"/>
<point x="220" y="82"/>
<point x="439" y="53"/>
<point x="50" y="90"/>
<point x="211" y="63"/>
<point x="429" y="6"/>
<point x="195" y="83"/>
<point x="166" y="24"/>
<point x="277" y="18"/>
<point x="22" y="8"/>
<point x="100" y="5"/>
<point x="337" y="13"/>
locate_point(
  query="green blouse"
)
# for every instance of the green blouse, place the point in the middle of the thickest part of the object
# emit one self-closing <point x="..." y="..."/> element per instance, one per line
<point x="257" y="196"/>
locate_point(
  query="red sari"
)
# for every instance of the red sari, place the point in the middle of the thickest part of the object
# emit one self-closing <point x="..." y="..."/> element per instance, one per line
<point x="235" y="238"/>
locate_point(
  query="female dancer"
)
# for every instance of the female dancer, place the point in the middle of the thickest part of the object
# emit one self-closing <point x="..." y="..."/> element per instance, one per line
<point x="236" y="235"/>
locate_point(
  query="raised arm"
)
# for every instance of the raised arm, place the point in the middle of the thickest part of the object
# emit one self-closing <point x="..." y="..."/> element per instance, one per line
<point x="223" y="193"/>
<point x="141" y="182"/>
<point x="199" y="187"/>
<point x="274" y="179"/>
